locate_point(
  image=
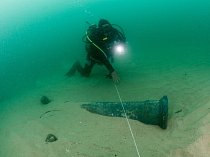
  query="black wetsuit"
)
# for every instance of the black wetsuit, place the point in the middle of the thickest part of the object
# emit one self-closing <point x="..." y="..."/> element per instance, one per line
<point x="98" y="40"/>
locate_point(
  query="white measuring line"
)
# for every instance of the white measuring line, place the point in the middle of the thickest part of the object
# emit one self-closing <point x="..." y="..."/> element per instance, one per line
<point x="127" y="121"/>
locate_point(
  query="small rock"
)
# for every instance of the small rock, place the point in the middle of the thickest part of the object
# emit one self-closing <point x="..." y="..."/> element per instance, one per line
<point x="45" y="100"/>
<point x="51" y="138"/>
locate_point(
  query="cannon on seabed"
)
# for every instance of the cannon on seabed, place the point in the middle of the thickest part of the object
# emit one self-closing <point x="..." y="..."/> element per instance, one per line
<point x="154" y="112"/>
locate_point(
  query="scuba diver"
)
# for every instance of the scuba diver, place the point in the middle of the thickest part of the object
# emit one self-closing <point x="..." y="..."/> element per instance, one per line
<point x="102" y="42"/>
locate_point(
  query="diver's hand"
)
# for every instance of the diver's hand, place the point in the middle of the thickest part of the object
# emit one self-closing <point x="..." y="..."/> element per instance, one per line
<point x="115" y="77"/>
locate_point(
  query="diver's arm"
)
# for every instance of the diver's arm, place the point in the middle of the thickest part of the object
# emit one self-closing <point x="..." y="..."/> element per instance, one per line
<point x="108" y="66"/>
<point x="112" y="73"/>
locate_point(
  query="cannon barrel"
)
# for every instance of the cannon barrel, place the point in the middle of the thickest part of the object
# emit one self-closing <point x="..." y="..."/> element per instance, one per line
<point x="153" y="112"/>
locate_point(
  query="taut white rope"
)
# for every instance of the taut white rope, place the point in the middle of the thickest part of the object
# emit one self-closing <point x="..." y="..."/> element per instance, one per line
<point x="127" y="121"/>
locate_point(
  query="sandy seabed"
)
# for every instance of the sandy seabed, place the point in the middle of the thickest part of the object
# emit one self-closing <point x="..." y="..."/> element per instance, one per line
<point x="84" y="134"/>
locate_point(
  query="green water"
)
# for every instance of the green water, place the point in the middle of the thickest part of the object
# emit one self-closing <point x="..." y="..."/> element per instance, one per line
<point x="168" y="54"/>
<point x="43" y="39"/>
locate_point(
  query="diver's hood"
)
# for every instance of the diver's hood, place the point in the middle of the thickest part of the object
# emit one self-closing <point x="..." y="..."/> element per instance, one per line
<point x="104" y="23"/>
<point x="104" y="26"/>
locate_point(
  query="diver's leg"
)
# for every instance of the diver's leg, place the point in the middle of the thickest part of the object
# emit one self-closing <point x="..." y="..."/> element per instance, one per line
<point x="76" y="66"/>
<point x="83" y="71"/>
<point x="88" y="68"/>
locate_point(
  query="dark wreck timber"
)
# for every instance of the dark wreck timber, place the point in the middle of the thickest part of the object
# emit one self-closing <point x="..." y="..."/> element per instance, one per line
<point x="154" y="112"/>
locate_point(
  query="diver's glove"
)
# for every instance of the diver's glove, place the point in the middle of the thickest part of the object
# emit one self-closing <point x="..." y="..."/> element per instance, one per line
<point x="114" y="76"/>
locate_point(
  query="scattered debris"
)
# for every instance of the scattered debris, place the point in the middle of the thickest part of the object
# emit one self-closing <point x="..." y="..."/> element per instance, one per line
<point x="42" y="115"/>
<point x="51" y="138"/>
<point x="45" y="100"/>
<point x="178" y="111"/>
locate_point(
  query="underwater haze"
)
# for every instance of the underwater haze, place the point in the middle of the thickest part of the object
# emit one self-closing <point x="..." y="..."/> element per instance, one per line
<point x="168" y="53"/>
<point x="41" y="39"/>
